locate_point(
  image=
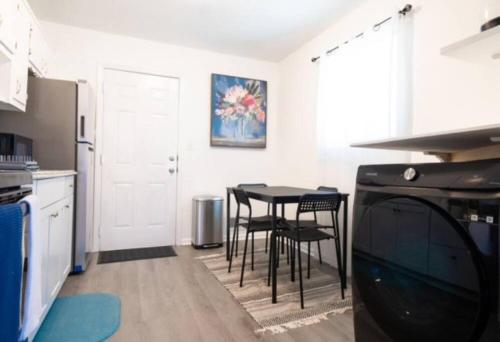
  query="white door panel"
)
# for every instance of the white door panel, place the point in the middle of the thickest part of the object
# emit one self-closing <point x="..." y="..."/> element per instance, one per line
<point x="140" y="136"/>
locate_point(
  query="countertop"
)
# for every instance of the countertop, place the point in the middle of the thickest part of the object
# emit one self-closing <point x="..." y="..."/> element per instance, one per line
<point x="45" y="174"/>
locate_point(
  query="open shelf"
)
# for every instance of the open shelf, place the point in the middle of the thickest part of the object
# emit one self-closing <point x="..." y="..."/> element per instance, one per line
<point x="481" y="48"/>
<point x="445" y="144"/>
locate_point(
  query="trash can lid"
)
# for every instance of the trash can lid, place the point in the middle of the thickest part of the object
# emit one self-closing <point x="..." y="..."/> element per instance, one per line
<point x="202" y="198"/>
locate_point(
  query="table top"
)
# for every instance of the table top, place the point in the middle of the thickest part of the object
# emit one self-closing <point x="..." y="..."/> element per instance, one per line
<point x="279" y="194"/>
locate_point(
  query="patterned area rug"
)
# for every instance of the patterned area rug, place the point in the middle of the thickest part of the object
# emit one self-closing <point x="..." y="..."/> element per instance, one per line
<point x="321" y="292"/>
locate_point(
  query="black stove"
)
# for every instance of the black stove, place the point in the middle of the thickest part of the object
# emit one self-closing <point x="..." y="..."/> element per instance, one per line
<point x="14" y="185"/>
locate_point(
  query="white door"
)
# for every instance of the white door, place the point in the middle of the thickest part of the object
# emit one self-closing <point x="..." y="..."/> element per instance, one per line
<point x="139" y="175"/>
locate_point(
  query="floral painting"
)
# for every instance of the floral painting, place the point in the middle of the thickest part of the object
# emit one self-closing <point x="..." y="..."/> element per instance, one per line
<point x="239" y="112"/>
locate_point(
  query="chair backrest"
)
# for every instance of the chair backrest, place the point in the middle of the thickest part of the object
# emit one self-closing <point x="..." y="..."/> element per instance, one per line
<point x="241" y="197"/>
<point x="327" y="188"/>
<point x="319" y="202"/>
<point x="256" y="185"/>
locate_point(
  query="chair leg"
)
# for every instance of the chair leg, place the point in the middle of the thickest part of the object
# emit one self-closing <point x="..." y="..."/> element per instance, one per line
<point x="278" y="251"/>
<point x="300" y="276"/>
<point x="253" y="238"/>
<point x="308" y="259"/>
<point x="292" y="257"/>
<point x="282" y="245"/>
<point x="269" y="267"/>
<point x="237" y="239"/>
<point x="288" y="251"/>
<point x="232" y="249"/>
<point x="319" y="252"/>
<point x="267" y="239"/>
<point x="339" y="266"/>
<point x="244" y="259"/>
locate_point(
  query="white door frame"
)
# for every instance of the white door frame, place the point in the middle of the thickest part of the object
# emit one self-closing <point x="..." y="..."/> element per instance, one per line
<point x="99" y="119"/>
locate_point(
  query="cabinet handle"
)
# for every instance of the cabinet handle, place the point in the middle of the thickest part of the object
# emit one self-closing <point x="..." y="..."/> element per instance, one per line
<point x="67" y="206"/>
<point x="54" y="215"/>
<point x="18" y="87"/>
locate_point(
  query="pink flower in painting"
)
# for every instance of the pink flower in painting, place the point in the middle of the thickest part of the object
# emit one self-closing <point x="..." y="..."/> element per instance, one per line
<point x="248" y="101"/>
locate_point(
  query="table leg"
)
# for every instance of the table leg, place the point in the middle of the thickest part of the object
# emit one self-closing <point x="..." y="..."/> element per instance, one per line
<point x="274" y="250"/>
<point x="344" y="242"/>
<point x="282" y="238"/>
<point x="228" y="223"/>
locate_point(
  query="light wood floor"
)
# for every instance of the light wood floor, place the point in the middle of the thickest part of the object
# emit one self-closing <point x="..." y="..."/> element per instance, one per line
<point x="177" y="299"/>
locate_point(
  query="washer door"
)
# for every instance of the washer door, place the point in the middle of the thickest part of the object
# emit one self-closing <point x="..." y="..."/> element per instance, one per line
<point x="417" y="272"/>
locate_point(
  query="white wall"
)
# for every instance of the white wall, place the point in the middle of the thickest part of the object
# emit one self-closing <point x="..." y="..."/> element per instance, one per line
<point x="447" y="93"/>
<point x="80" y="54"/>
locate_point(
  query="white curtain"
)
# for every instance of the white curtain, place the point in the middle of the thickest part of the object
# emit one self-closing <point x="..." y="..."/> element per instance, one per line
<point x="364" y="94"/>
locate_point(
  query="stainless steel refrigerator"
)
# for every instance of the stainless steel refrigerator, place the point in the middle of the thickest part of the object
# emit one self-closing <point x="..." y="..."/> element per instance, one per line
<point x="60" y="122"/>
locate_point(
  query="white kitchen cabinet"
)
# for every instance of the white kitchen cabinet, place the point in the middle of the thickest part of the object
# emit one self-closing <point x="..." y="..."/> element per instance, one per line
<point x="21" y="47"/>
<point x="39" y="50"/>
<point x="14" y="60"/>
<point x="7" y="24"/>
<point x="55" y="196"/>
<point x="21" y="54"/>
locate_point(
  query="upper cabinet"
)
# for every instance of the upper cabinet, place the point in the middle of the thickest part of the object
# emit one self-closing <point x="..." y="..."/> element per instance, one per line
<point x="22" y="48"/>
<point x="39" y="50"/>
<point x="7" y="22"/>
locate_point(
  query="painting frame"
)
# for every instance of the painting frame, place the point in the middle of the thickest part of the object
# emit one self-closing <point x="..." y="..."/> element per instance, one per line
<point x="257" y="137"/>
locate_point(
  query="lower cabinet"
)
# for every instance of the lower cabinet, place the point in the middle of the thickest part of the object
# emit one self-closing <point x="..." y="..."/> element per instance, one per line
<point x="57" y="228"/>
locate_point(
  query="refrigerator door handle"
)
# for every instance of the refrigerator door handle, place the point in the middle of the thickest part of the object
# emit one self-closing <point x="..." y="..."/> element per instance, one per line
<point x="82" y="126"/>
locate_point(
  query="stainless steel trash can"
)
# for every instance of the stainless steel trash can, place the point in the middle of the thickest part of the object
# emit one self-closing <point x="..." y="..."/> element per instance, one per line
<point x="207" y="221"/>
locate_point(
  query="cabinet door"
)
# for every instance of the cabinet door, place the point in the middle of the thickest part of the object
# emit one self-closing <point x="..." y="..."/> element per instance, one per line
<point x="45" y="220"/>
<point x="56" y="241"/>
<point x="20" y="61"/>
<point x="67" y="236"/>
<point x="38" y="50"/>
<point x="7" y="15"/>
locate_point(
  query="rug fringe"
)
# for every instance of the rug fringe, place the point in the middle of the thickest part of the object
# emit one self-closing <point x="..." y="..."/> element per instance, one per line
<point x="281" y="328"/>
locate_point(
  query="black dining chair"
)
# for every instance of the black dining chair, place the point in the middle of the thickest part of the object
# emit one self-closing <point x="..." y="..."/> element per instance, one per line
<point x="251" y="225"/>
<point x="302" y="231"/>
<point x="314" y="224"/>
<point x="263" y="219"/>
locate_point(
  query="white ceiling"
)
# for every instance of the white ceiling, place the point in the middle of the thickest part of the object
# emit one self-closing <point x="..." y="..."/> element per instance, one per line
<point x="268" y="30"/>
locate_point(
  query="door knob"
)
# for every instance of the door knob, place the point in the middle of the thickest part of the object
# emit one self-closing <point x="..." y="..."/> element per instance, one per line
<point x="171" y="158"/>
<point x="171" y="170"/>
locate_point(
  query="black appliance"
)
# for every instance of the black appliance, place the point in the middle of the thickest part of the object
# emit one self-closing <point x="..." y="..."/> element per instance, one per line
<point x="426" y="264"/>
<point x="16" y="146"/>
<point x="14" y="185"/>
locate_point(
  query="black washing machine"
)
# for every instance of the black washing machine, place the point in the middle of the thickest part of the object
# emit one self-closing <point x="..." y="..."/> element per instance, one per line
<point x="426" y="264"/>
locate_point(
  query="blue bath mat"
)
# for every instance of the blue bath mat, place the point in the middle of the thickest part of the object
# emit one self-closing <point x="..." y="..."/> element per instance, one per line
<point x="89" y="317"/>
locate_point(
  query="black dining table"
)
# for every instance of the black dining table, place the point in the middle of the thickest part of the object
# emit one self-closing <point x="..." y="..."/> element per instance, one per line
<point x="282" y="195"/>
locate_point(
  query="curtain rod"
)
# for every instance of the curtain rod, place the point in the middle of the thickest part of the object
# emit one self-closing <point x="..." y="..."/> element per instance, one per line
<point x="407" y="9"/>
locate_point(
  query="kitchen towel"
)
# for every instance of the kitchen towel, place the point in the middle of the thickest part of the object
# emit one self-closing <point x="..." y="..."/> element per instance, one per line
<point x="11" y="263"/>
<point x="33" y="292"/>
